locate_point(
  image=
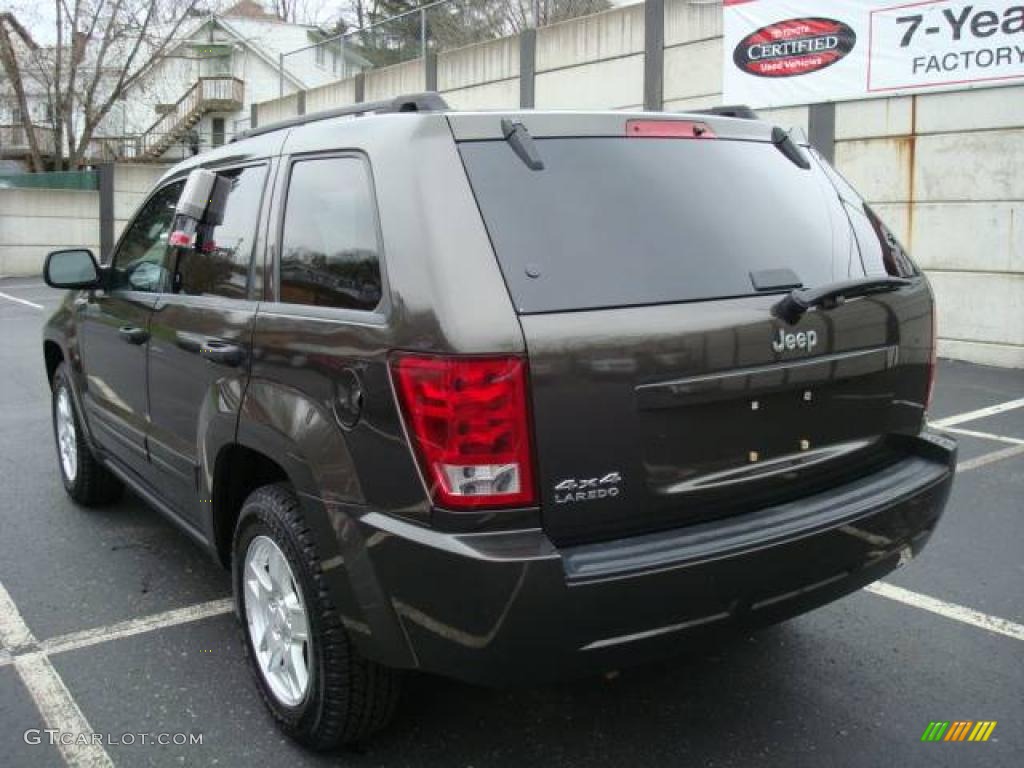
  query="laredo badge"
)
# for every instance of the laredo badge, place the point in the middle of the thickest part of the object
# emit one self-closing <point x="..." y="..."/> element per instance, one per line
<point x="574" y="489"/>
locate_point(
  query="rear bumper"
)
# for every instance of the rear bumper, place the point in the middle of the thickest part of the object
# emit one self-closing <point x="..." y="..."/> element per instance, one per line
<point x="509" y="607"/>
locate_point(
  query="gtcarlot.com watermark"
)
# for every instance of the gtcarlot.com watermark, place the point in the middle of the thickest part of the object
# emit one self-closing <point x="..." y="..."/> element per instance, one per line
<point x="69" y="738"/>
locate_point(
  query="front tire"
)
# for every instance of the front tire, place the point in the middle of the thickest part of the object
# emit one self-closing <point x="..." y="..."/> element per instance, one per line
<point x="318" y="687"/>
<point x="86" y="480"/>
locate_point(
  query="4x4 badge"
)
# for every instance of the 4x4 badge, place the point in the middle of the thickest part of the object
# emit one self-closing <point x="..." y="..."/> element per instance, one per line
<point x="574" y="489"/>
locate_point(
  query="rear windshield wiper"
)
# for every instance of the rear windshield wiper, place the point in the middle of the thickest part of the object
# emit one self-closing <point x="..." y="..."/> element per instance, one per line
<point x="522" y="144"/>
<point x="783" y="141"/>
<point x="792" y="307"/>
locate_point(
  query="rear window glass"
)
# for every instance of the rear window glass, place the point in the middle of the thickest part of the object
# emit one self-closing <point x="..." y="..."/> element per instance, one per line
<point x="613" y="222"/>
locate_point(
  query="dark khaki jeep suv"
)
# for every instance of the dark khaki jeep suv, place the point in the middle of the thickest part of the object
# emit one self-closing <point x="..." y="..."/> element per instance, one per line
<point x="503" y="396"/>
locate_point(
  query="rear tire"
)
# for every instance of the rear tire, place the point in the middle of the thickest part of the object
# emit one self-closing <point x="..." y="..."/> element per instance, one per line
<point x="322" y="692"/>
<point x="86" y="480"/>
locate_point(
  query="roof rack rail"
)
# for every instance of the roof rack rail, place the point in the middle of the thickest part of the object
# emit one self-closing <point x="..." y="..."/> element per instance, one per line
<point x="428" y="101"/>
<point x="741" y="111"/>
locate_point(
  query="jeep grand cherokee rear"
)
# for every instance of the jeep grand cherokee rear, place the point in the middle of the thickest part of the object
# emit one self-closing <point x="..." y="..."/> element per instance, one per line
<point x="504" y="396"/>
<point x="720" y="415"/>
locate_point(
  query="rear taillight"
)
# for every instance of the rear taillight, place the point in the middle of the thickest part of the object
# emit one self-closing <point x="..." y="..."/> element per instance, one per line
<point x="468" y="420"/>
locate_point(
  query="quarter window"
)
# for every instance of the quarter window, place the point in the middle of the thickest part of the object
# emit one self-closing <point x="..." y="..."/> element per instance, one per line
<point x="330" y="254"/>
<point x="141" y="260"/>
<point x="219" y="264"/>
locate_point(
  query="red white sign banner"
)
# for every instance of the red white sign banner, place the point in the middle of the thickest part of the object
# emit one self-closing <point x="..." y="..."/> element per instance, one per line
<point x="785" y="52"/>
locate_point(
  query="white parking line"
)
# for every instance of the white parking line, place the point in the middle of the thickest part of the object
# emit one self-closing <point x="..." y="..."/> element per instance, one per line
<point x="948" y="610"/>
<point x="51" y="696"/>
<point x="988" y="458"/>
<point x="14" y="632"/>
<point x="131" y="627"/>
<point x="26" y="302"/>
<point x="981" y="413"/>
<point x="983" y="435"/>
<point x="86" y="637"/>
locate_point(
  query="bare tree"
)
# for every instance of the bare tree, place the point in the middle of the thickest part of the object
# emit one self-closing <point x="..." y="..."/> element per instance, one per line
<point x="300" y="11"/>
<point x="102" y="47"/>
<point x="15" y="40"/>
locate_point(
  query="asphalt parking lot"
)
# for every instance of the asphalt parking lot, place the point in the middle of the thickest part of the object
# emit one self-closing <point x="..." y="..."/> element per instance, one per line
<point x="112" y="621"/>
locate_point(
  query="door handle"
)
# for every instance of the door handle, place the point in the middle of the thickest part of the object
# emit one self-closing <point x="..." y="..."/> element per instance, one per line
<point x="221" y="353"/>
<point x="133" y="335"/>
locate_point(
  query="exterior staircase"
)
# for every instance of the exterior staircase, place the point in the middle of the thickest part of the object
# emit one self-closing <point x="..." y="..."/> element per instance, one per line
<point x="208" y="94"/>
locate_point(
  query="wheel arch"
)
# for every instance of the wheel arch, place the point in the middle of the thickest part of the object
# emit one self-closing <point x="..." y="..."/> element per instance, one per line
<point x="261" y="455"/>
<point x="238" y="471"/>
<point x="53" y="355"/>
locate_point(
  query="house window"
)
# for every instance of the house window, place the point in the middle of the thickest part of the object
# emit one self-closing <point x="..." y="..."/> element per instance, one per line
<point x="334" y="62"/>
<point x="214" y="59"/>
<point x="321" y="56"/>
<point x="220" y="65"/>
<point x="17" y="131"/>
<point x="217" y="131"/>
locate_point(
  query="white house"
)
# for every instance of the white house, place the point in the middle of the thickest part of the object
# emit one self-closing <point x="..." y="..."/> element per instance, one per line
<point x="199" y="95"/>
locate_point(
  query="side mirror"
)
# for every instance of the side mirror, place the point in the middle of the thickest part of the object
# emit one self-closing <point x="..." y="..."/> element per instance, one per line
<point x="70" y="269"/>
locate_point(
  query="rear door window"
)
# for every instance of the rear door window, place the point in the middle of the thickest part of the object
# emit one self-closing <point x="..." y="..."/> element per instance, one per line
<point x="612" y="222"/>
<point x="330" y="248"/>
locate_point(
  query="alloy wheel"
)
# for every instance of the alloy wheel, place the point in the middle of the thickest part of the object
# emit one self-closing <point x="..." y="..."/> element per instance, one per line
<point x="277" y="621"/>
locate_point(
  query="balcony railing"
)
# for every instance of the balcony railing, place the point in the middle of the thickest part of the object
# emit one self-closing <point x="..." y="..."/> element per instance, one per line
<point x="107" y="149"/>
<point x="14" y="144"/>
<point x="225" y="94"/>
<point x="14" y="140"/>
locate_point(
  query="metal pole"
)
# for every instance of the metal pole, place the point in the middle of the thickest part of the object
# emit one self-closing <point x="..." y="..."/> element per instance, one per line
<point x="280" y="72"/>
<point x="423" y="34"/>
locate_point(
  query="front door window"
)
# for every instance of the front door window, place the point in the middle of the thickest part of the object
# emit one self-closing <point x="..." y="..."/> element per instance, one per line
<point x="141" y="260"/>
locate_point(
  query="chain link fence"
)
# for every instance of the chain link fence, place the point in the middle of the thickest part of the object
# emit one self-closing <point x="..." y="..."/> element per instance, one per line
<point x="434" y="27"/>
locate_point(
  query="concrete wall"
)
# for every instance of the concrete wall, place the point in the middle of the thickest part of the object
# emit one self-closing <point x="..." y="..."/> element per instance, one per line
<point x="331" y="95"/>
<point x="407" y="77"/>
<point x="132" y="184"/>
<point x="945" y="170"/>
<point x="693" y="55"/>
<point x="595" y="62"/>
<point x="481" y="76"/>
<point x="34" y="222"/>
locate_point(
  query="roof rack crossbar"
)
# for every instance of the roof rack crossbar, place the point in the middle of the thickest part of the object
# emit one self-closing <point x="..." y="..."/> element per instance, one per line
<point x="428" y="101"/>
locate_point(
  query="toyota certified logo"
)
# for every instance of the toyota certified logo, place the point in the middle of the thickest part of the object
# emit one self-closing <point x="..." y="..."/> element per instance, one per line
<point x="794" y="47"/>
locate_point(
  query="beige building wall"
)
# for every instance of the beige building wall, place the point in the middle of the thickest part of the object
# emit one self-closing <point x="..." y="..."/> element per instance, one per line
<point x="34" y="222"/>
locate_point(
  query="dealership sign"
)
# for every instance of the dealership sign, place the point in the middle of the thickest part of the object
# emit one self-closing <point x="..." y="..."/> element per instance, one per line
<point x="785" y="52"/>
